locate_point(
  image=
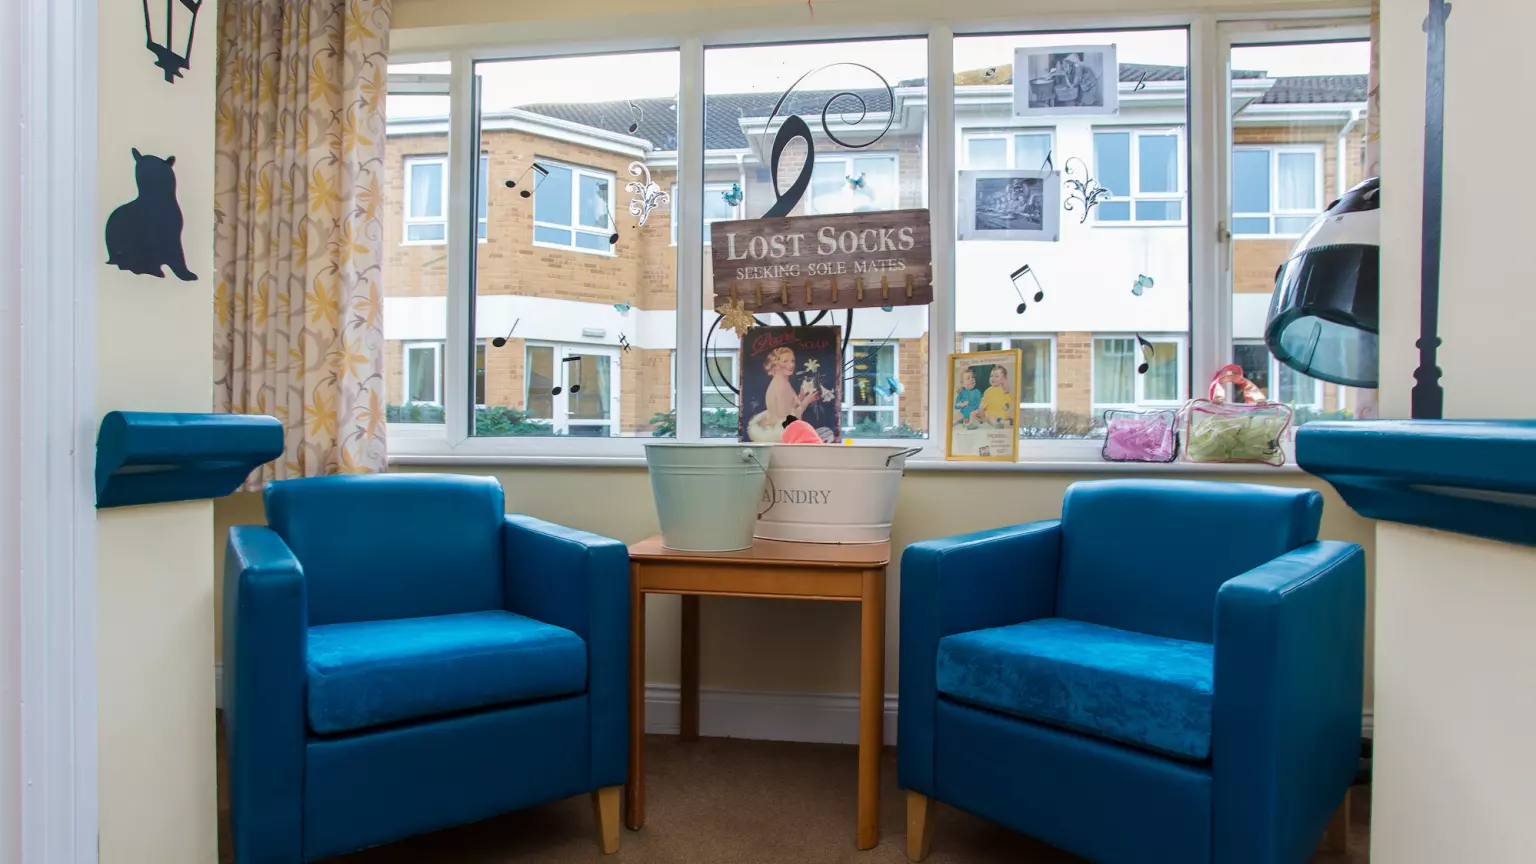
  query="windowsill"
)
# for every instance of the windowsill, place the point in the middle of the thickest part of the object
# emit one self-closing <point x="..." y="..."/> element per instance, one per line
<point x="579" y="249"/>
<point x="1042" y="466"/>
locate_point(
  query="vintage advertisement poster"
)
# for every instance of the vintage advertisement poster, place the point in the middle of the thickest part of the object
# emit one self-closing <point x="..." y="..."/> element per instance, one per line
<point x="790" y="373"/>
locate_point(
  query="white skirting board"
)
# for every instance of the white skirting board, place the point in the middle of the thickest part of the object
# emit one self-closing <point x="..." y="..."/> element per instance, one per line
<point x="811" y="718"/>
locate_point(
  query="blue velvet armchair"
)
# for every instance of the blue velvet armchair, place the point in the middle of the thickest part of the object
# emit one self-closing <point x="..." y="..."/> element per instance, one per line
<point x="400" y="656"/>
<point x="1169" y="674"/>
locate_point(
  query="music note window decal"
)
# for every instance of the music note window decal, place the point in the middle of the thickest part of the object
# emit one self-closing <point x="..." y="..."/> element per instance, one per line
<point x="566" y="375"/>
<point x="539" y="171"/>
<point x="1013" y="277"/>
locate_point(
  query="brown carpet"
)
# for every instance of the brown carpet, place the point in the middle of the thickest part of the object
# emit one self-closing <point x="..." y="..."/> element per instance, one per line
<point x="726" y="801"/>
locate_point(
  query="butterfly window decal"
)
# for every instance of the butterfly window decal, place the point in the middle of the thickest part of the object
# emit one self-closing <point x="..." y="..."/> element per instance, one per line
<point x="855" y="182"/>
<point x="733" y="195"/>
<point x="891" y="389"/>
<point x="1143" y="282"/>
<point x="622" y="309"/>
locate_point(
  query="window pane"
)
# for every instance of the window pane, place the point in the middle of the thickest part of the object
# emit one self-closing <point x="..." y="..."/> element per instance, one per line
<point x="485" y="198"/>
<point x="715" y="205"/>
<point x="594" y="201"/>
<point x="558" y="286"/>
<point x="545" y="234"/>
<point x="1159" y="211"/>
<point x="1254" y="358"/>
<point x="552" y="195"/>
<point x="1035" y="378"/>
<point x="1292" y="224"/>
<point x="1301" y="145"/>
<point x="1114" y="371"/>
<point x="479" y="373"/>
<point x="875" y="172"/>
<point x="1029" y="151"/>
<point x="1250" y="182"/>
<point x="426" y="189"/>
<point x="1159" y="162"/>
<point x="1112" y="153"/>
<point x="1076" y="342"/>
<point x="1161" y="381"/>
<point x="421" y="364"/>
<point x="427" y="232"/>
<point x="539" y="381"/>
<point x="1297" y="189"/>
<point x="1113" y="211"/>
<point x="986" y="154"/>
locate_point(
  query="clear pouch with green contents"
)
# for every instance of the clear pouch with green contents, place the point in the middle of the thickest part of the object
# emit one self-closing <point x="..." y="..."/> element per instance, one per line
<point x="1216" y="430"/>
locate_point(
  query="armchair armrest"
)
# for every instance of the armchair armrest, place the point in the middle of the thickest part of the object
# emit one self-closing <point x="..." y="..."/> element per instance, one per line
<point x="265" y="630"/>
<point x="953" y="585"/>
<point x="579" y="581"/>
<point x="1290" y="657"/>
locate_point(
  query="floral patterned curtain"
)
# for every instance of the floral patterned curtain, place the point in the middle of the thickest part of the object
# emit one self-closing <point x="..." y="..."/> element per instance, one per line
<point x="298" y="233"/>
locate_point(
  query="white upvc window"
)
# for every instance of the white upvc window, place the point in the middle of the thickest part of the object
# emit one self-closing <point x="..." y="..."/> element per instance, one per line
<point x="716" y="208"/>
<point x="426" y="200"/>
<point x="423" y="372"/>
<point x="1116" y="383"/>
<point x="872" y="385"/>
<point x="1144" y="170"/>
<point x="587" y="378"/>
<point x="573" y="208"/>
<point x="1277" y="190"/>
<point x="1037" y="378"/>
<point x="721" y="373"/>
<point x="843" y="182"/>
<point x="1018" y="149"/>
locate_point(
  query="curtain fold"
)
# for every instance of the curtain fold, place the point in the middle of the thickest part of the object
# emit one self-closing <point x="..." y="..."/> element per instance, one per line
<point x="298" y="238"/>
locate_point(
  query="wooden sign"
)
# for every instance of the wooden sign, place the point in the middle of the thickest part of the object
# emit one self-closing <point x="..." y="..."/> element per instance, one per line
<point x="845" y="261"/>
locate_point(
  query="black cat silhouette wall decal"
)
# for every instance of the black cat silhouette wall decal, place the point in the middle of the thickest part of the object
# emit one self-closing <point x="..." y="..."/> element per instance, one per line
<point x="144" y="235"/>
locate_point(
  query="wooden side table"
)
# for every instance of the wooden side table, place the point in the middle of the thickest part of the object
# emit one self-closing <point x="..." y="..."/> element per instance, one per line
<point x="770" y="568"/>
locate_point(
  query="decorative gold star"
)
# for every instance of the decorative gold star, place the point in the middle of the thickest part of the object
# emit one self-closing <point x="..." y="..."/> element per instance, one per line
<point x="735" y="316"/>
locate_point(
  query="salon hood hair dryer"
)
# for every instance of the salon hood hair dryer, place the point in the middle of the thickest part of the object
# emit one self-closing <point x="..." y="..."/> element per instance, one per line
<point x="1324" y="314"/>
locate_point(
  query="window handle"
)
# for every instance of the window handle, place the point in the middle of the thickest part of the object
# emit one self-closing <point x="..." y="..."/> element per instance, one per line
<point x="1223" y="234"/>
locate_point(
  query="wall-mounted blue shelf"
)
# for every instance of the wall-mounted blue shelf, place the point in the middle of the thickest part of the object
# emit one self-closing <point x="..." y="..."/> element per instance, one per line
<point x="1474" y="477"/>
<point x="144" y="457"/>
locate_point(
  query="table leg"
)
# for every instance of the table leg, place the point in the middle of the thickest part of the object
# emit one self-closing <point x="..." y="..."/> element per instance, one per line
<point x="688" y="701"/>
<point x="634" y="790"/>
<point x="871" y="705"/>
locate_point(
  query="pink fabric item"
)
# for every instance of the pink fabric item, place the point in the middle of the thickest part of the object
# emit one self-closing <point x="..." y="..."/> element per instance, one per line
<point x="800" y="432"/>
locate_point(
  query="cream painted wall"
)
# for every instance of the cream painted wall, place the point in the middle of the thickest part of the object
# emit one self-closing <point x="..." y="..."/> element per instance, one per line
<point x="787" y="645"/>
<point x="155" y="587"/>
<point x="1455" y="648"/>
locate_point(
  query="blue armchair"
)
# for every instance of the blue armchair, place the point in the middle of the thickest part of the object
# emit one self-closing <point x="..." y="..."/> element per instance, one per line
<point x="400" y="656"/>
<point x="1171" y="672"/>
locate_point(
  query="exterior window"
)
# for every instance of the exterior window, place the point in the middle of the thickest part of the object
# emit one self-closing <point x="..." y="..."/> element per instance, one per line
<point x="590" y="370"/>
<point x="1276" y="191"/>
<point x="1117" y="384"/>
<point x="572" y="208"/>
<point x="720" y="369"/>
<point x="716" y="208"/>
<point x="1037" y="377"/>
<point x="1279" y="382"/>
<point x="870" y="402"/>
<point x="1144" y="171"/>
<point x="424" y="373"/>
<point x="1025" y="151"/>
<point x="853" y="184"/>
<point x="426" y="199"/>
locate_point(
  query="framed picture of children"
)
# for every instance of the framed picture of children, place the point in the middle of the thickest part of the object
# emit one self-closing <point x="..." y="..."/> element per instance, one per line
<point x="984" y="406"/>
<point x="790" y="373"/>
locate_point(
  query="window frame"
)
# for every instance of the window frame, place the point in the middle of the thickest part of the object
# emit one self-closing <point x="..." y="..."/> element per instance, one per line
<point x="437" y="348"/>
<point x="1316" y="150"/>
<point x="1009" y="136"/>
<point x="409" y="164"/>
<point x="847" y="157"/>
<point x="1137" y="132"/>
<point x="1181" y="363"/>
<point x="577" y="172"/>
<point x="1205" y="152"/>
<point x="851" y="411"/>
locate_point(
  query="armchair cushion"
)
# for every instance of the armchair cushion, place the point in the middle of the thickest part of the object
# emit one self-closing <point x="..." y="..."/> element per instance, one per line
<point x="371" y="672"/>
<point x="1147" y="691"/>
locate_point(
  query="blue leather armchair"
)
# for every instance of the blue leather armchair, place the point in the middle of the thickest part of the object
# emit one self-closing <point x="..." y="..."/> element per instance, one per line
<point x="400" y="656"/>
<point x="1171" y="672"/>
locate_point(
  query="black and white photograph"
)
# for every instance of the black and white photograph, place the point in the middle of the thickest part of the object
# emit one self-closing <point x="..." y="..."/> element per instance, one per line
<point x="1082" y="79"/>
<point x="1009" y="205"/>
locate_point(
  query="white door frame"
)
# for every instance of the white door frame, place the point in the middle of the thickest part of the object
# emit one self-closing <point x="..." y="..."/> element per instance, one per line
<point x="50" y="238"/>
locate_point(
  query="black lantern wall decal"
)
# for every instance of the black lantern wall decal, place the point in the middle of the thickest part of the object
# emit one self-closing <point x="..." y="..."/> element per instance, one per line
<point x="177" y="31"/>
